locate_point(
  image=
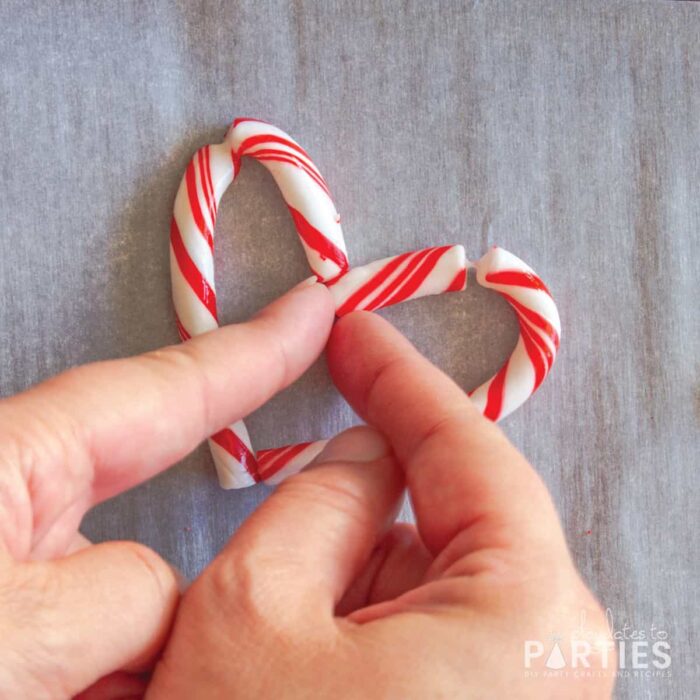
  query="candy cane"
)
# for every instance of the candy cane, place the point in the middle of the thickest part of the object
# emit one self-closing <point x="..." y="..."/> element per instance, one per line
<point x="376" y="285"/>
<point x="518" y="378"/>
<point x="540" y="330"/>
<point x="209" y="173"/>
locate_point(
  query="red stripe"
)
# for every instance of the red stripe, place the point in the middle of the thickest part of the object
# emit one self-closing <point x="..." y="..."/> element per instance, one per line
<point x="292" y="160"/>
<point x="190" y="271"/>
<point x="337" y="278"/>
<point x="257" y="139"/>
<point x="380" y="300"/>
<point x="264" y="152"/>
<point x="459" y="283"/>
<point x="266" y="456"/>
<point x="419" y="276"/>
<point x="253" y="141"/>
<point x="533" y="352"/>
<point x="494" y="396"/>
<point x="227" y="439"/>
<point x="278" y="458"/>
<point x="203" y="181"/>
<point x="541" y="343"/>
<point x="182" y="331"/>
<point x="354" y="300"/>
<point x="534" y="318"/>
<point x="208" y="185"/>
<point x="317" y="241"/>
<point x="517" y="278"/>
<point x="279" y="152"/>
<point x="191" y="181"/>
<point x="211" y="182"/>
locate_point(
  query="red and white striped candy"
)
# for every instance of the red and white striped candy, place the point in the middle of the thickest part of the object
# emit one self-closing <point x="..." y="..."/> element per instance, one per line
<point x="540" y="330"/>
<point x="209" y="173"/>
<point x="400" y="278"/>
<point x="519" y="377"/>
<point x="370" y="287"/>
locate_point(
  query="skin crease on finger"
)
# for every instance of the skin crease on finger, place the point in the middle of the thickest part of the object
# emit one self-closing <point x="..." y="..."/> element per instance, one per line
<point x="438" y="610"/>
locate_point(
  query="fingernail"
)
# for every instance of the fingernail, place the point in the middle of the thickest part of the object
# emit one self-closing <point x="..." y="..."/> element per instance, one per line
<point x="360" y="444"/>
<point x="308" y="282"/>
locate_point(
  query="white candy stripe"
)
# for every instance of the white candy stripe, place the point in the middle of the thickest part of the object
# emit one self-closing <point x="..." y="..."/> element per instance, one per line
<point x="305" y="195"/>
<point x="518" y="385"/>
<point x="221" y="168"/>
<point x="196" y="245"/>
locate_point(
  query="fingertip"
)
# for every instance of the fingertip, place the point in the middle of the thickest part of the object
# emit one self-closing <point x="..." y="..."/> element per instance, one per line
<point x="359" y="444"/>
<point x="357" y="342"/>
<point x="350" y="326"/>
<point x="75" y="607"/>
<point x="308" y="300"/>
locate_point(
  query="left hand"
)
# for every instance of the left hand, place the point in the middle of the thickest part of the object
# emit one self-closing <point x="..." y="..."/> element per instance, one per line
<point x="72" y="613"/>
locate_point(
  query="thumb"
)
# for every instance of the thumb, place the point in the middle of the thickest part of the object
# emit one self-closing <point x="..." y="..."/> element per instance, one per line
<point x="310" y="539"/>
<point x="66" y="623"/>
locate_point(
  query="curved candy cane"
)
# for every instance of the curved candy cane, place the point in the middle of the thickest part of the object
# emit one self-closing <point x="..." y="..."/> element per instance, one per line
<point x="518" y="378"/>
<point x="370" y="287"/>
<point x="540" y="330"/>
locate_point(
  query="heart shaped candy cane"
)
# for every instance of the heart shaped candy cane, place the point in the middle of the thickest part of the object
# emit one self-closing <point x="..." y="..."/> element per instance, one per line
<point x="370" y="287"/>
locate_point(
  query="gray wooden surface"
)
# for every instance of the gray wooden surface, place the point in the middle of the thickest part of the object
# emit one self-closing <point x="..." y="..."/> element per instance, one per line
<point x="567" y="132"/>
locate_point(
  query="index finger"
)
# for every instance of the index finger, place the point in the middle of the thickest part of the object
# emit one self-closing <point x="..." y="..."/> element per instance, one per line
<point x="460" y="468"/>
<point x="102" y="428"/>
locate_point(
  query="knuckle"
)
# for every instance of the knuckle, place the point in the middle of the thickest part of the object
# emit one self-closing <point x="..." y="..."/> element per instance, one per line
<point x="238" y="577"/>
<point x="247" y="589"/>
<point x="276" y="345"/>
<point x="242" y="586"/>
<point x="179" y="363"/>
<point x="44" y="459"/>
<point x="179" y="358"/>
<point x="335" y="491"/>
<point x="30" y="633"/>
<point x="155" y="569"/>
<point x="386" y="373"/>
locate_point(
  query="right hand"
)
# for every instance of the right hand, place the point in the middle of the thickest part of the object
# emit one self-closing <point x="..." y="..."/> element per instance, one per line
<point x="321" y="594"/>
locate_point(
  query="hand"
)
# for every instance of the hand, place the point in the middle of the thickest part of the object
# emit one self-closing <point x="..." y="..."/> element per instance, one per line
<point x="72" y="613"/>
<point x="320" y="594"/>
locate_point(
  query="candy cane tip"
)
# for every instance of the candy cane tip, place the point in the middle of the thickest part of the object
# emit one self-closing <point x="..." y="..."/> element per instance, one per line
<point x="494" y="259"/>
<point x="241" y="120"/>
